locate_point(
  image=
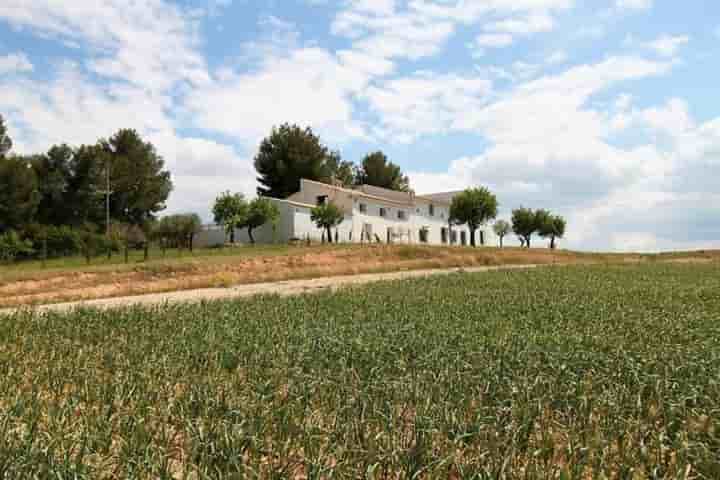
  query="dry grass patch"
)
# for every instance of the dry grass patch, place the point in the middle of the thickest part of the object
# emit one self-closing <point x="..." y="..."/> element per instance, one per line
<point x="39" y="287"/>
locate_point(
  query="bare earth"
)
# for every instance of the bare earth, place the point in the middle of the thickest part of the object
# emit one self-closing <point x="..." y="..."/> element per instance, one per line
<point x="290" y="287"/>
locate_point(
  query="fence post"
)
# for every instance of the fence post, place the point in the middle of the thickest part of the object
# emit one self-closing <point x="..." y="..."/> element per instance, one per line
<point x="44" y="254"/>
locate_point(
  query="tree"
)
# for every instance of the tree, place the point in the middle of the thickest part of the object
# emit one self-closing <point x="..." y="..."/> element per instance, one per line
<point x="230" y="210"/>
<point x="54" y="171"/>
<point x="376" y="170"/>
<point x="474" y="206"/>
<point x="501" y="228"/>
<point x="553" y="227"/>
<point x="139" y="183"/>
<point x="83" y="202"/>
<point x="327" y="216"/>
<point x="287" y="155"/>
<point x="340" y="171"/>
<point x="5" y="140"/>
<point x="260" y="211"/>
<point x="190" y="225"/>
<point x="19" y="195"/>
<point x="524" y="224"/>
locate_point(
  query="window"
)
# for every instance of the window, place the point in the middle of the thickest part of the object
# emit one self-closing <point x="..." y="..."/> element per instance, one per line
<point x="424" y="235"/>
<point x="383" y="212"/>
<point x="321" y="199"/>
<point x="402" y="215"/>
<point x="363" y="208"/>
<point x="431" y="210"/>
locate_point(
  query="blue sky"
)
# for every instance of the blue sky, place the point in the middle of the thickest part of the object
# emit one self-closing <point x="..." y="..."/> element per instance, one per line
<point x="604" y="111"/>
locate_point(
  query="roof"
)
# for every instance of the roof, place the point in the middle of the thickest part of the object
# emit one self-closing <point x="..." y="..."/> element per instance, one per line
<point x="360" y="193"/>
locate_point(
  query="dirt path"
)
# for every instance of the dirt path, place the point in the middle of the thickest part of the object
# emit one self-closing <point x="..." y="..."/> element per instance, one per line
<point x="289" y="287"/>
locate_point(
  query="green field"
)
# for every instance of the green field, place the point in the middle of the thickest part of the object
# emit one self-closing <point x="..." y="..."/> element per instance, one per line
<point x="567" y="372"/>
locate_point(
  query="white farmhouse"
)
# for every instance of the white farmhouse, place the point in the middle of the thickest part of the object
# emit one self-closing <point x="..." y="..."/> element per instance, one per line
<point x="372" y="215"/>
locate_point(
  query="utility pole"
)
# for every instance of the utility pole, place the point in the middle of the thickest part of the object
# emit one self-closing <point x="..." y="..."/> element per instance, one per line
<point x="107" y="192"/>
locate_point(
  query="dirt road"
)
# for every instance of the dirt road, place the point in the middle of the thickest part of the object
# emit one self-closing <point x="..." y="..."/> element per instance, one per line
<point x="289" y="287"/>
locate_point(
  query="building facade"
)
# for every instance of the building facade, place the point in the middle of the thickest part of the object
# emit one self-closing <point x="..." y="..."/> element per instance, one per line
<point x="372" y="215"/>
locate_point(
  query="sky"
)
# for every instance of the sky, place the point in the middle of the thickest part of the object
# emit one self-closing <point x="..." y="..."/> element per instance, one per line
<point x="606" y="112"/>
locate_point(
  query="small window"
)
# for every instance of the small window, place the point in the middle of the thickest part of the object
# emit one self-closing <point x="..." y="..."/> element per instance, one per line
<point x="363" y="208"/>
<point x="424" y="235"/>
<point x="321" y="199"/>
<point x="431" y="210"/>
<point x="402" y="215"/>
<point x="383" y="212"/>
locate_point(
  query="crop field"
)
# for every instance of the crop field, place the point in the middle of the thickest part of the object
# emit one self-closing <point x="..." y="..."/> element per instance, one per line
<point x="556" y="373"/>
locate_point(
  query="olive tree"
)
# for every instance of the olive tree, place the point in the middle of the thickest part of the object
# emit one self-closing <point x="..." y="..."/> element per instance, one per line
<point x="230" y="210"/>
<point x="502" y="229"/>
<point x="524" y="224"/>
<point x="260" y="211"/>
<point x="474" y="206"/>
<point x="552" y="227"/>
<point x="326" y="217"/>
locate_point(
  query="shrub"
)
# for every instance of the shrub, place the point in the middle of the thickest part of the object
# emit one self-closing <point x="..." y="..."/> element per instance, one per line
<point x="13" y="247"/>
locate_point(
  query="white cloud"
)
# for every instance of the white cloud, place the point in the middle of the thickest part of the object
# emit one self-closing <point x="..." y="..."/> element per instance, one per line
<point x="493" y="40"/>
<point x="667" y="45"/>
<point x="425" y="103"/>
<point x="152" y="44"/>
<point x="15" y="63"/>
<point x="308" y="86"/>
<point x="634" y="4"/>
<point x="533" y="23"/>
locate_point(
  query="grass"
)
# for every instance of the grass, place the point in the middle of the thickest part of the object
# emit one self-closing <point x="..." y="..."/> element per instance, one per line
<point x="568" y="372"/>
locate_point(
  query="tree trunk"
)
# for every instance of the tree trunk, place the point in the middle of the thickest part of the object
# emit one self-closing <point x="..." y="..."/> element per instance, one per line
<point x="232" y="234"/>
<point x="501" y="241"/>
<point x="482" y="238"/>
<point x="252" y="239"/>
<point x="472" y="237"/>
<point x="127" y="253"/>
<point x="146" y="252"/>
<point x="329" y="235"/>
<point x="552" y="242"/>
<point x="192" y="237"/>
<point x="527" y="241"/>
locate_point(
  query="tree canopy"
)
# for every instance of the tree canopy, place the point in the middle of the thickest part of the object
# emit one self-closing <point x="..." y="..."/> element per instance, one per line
<point x="502" y="229"/>
<point x="19" y="195"/>
<point x="340" y="171"/>
<point x="524" y="224"/>
<point x="139" y="182"/>
<point x="287" y="155"/>
<point x="230" y="210"/>
<point x="552" y="227"/>
<point x="375" y="169"/>
<point x="260" y="211"/>
<point x="326" y="216"/>
<point x="5" y="140"/>
<point x="473" y="207"/>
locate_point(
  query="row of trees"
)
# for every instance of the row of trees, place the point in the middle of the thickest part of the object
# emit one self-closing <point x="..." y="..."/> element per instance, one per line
<point x="527" y="222"/>
<point x="68" y="185"/>
<point x="290" y="153"/>
<point x="90" y="199"/>
<point x="233" y="211"/>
